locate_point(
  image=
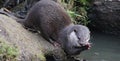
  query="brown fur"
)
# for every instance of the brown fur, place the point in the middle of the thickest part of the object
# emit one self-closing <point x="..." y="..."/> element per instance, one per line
<point x="53" y="22"/>
<point x="48" y="17"/>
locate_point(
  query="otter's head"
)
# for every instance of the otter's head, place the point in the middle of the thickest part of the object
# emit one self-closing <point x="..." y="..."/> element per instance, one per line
<point x="76" y="40"/>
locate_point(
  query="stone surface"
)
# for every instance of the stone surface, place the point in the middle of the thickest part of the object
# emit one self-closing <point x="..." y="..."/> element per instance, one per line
<point x="105" y="16"/>
<point x="31" y="46"/>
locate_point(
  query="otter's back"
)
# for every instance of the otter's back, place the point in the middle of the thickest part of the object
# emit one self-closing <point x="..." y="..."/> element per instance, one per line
<point x="48" y="17"/>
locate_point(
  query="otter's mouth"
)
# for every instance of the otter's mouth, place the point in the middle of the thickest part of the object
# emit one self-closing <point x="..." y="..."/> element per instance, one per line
<point x="83" y="47"/>
<point x="78" y="49"/>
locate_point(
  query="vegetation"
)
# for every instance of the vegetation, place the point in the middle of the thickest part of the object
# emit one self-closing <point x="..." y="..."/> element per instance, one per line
<point x="7" y="51"/>
<point x="77" y="9"/>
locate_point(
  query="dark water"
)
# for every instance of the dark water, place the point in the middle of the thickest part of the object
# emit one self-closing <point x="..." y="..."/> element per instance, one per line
<point x="104" y="48"/>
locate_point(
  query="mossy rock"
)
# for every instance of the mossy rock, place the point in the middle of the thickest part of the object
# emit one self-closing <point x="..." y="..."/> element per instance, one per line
<point x="8" y="51"/>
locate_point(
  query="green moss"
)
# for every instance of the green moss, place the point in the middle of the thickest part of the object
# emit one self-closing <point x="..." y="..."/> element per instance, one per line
<point x="38" y="57"/>
<point x="41" y="56"/>
<point x="7" y="51"/>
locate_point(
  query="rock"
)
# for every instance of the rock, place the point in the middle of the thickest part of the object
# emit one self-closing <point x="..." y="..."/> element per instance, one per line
<point x="26" y="45"/>
<point x="105" y="16"/>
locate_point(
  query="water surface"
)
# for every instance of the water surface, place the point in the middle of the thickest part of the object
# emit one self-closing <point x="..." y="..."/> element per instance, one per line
<point x="104" y="48"/>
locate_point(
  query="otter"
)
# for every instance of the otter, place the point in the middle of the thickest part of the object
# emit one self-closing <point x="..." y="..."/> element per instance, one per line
<point x="55" y="25"/>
